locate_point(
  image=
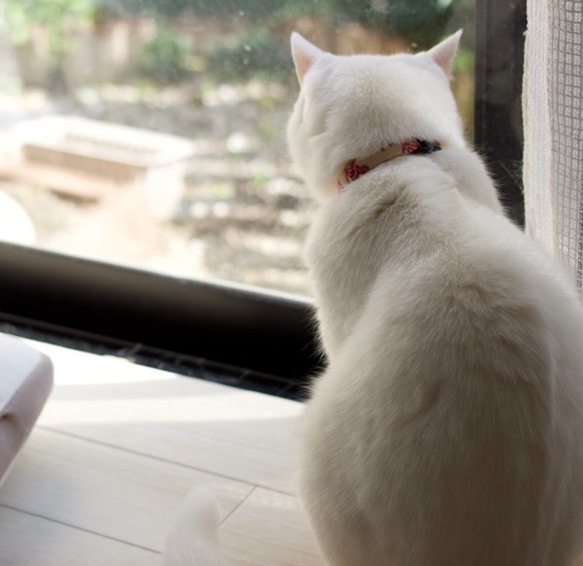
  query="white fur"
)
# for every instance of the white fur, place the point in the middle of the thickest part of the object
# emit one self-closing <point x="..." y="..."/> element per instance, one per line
<point x="447" y="429"/>
<point x="193" y="540"/>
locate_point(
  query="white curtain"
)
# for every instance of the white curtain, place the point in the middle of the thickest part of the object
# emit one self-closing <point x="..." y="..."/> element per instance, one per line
<point x="553" y="126"/>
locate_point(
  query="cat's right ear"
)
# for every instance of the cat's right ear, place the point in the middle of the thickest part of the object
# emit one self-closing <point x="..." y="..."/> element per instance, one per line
<point x="444" y="53"/>
<point x="304" y="54"/>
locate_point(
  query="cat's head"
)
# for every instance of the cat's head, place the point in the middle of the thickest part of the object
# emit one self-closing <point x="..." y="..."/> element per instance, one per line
<point x="351" y="107"/>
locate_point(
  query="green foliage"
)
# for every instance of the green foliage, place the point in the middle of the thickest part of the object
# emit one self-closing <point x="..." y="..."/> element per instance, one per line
<point x="252" y="9"/>
<point x="422" y="22"/>
<point x="464" y="62"/>
<point x="165" y="58"/>
<point x="257" y="54"/>
<point x="58" y="17"/>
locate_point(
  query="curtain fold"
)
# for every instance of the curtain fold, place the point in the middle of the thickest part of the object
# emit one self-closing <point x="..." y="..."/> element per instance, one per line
<point x="553" y="129"/>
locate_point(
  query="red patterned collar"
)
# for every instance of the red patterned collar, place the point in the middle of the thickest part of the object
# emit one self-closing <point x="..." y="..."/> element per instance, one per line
<point x="355" y="168"/>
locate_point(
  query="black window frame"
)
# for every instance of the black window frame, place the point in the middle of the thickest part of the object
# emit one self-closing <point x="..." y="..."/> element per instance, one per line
<point x="140" y="313"/>
<point x="500" y="33"/>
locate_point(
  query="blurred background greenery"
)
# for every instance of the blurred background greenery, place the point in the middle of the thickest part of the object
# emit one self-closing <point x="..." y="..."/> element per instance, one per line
<point x="248" y="39"/>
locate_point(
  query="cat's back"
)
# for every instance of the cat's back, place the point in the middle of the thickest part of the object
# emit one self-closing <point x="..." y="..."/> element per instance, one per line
<point x="427" y="238"/>
<point x="432" y="279"/>
<point x="456" y="382"/>
<point x="433" y="272"/>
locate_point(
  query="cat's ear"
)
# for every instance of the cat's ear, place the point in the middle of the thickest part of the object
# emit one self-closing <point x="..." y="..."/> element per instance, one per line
<point x="444" y="53"/>
<point x="304" y="54"/>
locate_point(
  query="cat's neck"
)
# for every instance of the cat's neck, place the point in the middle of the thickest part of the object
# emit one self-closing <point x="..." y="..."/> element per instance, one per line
<point x="355" y="168"/>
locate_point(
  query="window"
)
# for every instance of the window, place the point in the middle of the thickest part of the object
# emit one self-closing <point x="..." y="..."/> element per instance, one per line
<point x="143" y="162"/>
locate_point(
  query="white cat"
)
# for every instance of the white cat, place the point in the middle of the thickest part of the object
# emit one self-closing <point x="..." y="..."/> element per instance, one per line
<point x="447" y="429"/>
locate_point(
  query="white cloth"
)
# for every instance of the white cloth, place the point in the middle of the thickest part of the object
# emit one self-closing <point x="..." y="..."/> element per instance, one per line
<point x="553" y="127"/>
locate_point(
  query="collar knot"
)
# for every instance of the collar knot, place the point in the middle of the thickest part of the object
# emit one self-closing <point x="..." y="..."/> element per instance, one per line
<point x="355" y="168"/>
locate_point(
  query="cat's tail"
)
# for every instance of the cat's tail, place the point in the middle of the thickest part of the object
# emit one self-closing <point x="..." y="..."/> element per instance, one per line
<point x="193" y="539"/>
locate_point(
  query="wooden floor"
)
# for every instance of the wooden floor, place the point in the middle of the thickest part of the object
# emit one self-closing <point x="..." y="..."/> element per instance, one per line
<point x="117" y="449"/>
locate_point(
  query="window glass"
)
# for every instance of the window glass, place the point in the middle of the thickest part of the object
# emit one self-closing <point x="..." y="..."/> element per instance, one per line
<point x="152" y="132"/>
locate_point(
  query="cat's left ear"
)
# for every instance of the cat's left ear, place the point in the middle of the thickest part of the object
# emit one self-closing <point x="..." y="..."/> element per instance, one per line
<point x="444" y="53"/>
<point x="304" y="54"/>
